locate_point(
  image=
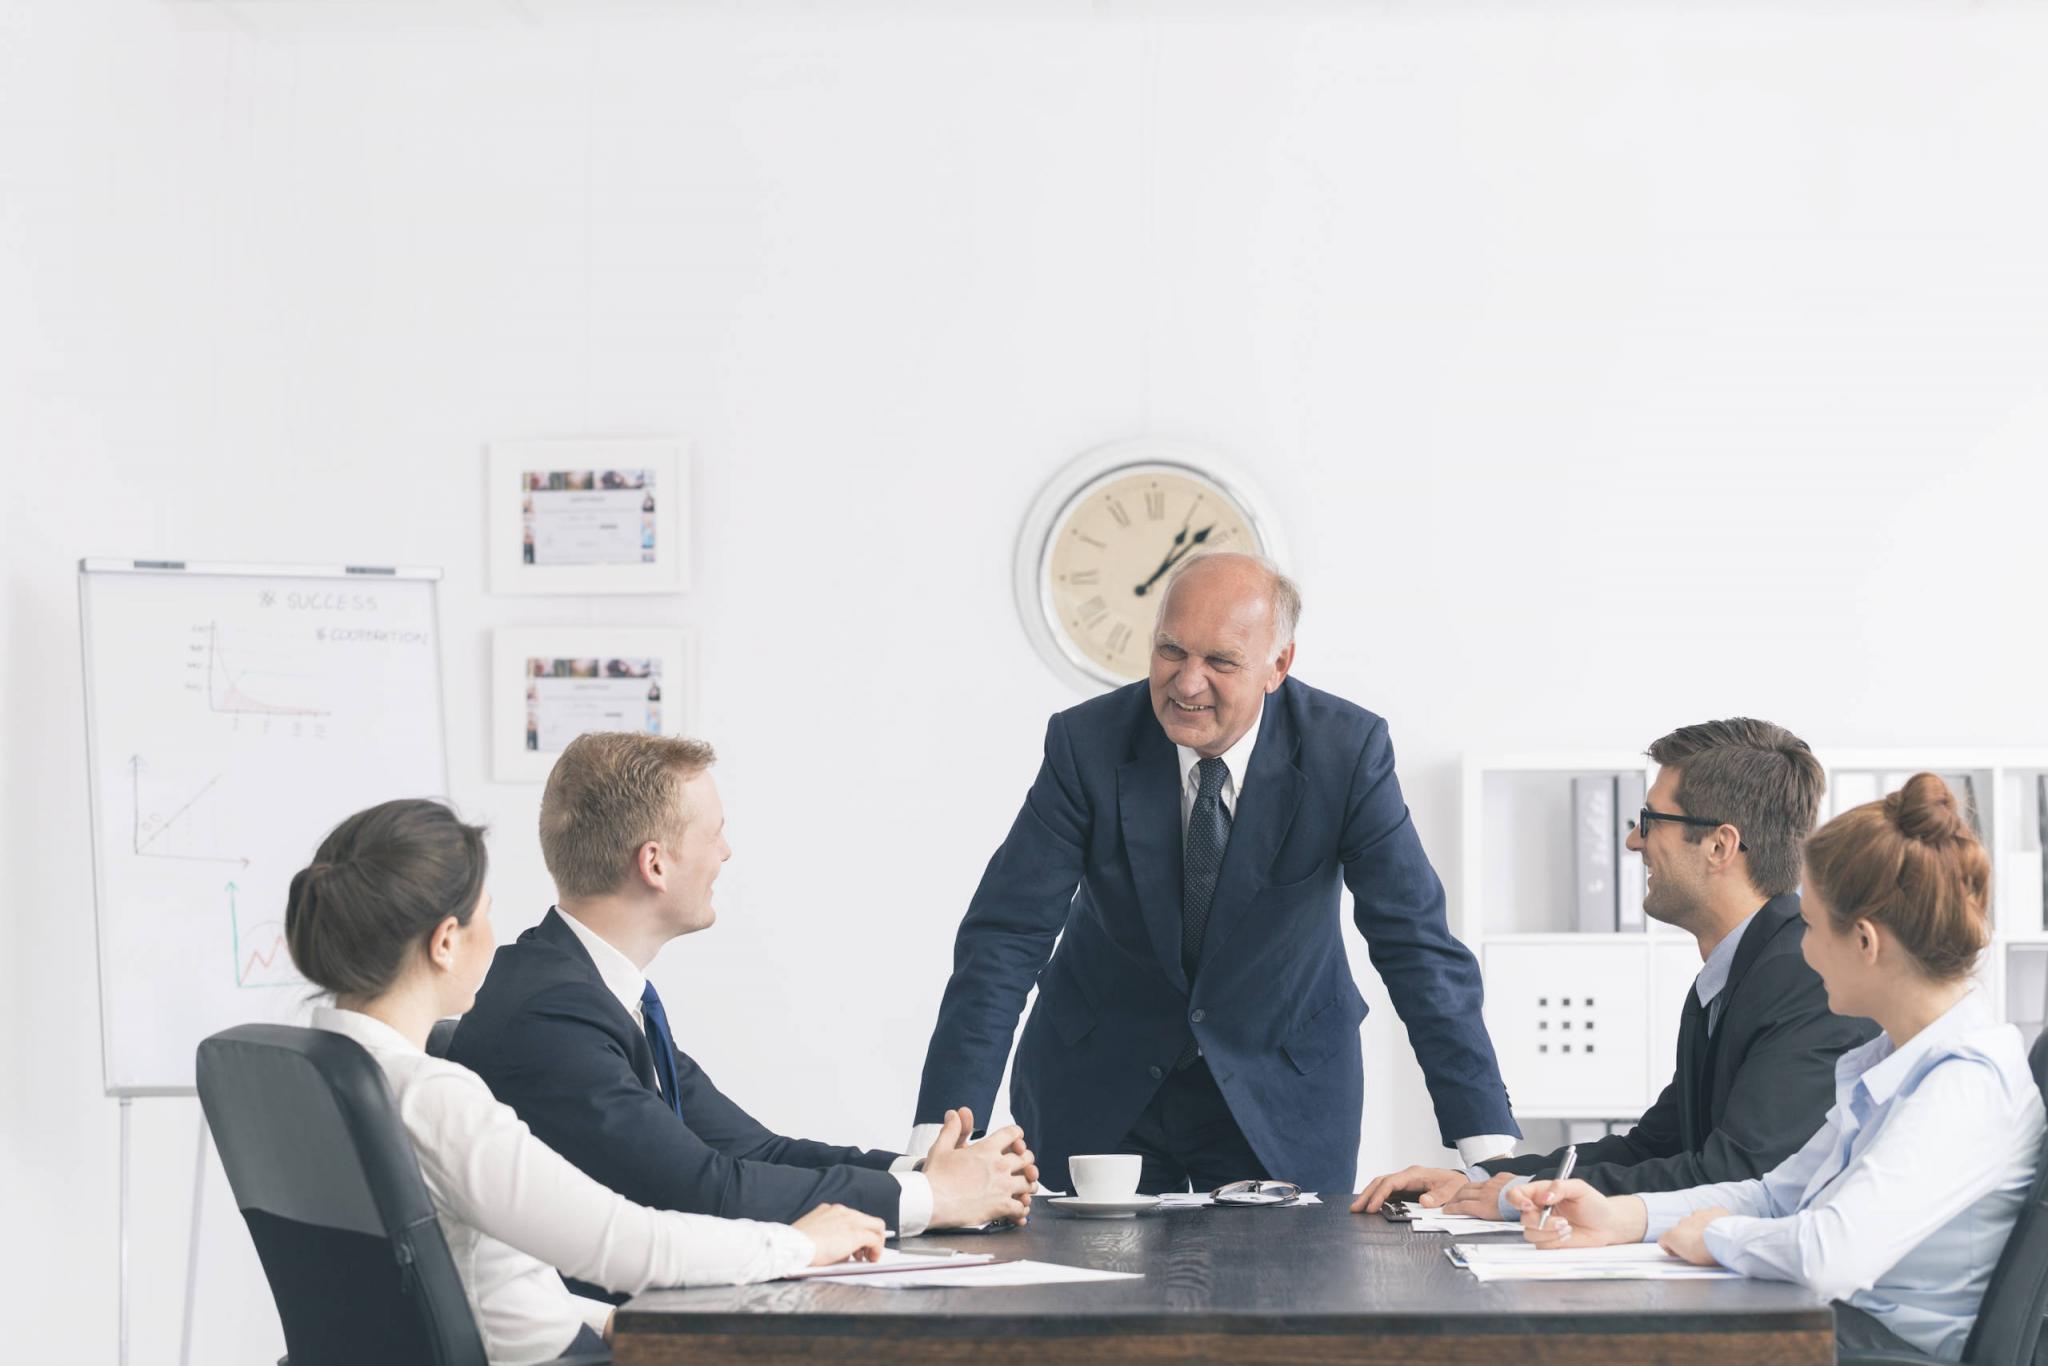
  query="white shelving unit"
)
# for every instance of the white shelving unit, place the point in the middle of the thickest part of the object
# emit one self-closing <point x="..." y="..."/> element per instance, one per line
<point x="1586" y="1024"/>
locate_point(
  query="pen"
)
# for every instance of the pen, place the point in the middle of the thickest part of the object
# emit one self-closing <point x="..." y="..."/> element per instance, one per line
<point x="1564" y="1173"/>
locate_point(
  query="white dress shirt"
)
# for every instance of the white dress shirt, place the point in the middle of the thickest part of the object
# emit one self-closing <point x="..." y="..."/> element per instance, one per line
<point x="1236" y="760"/>
<point x="512" y="1210"/>
<point x="627" y="982"/>
<point x="1902" y="1202"/>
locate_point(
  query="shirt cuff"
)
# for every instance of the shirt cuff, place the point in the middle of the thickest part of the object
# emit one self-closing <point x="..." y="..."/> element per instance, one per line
<point x="1483" y="1148"/>
<point x="789" y="1249"/>
<point x="1725" y="1238"/>
<point x="922" y="1137"/>
<point x="1507" y="1211"/>
<point x="597" y="1313"/>
<point x="914" y="1212"/>
<point x="905" y="1163"/>
<point x="1663" y="1211"/>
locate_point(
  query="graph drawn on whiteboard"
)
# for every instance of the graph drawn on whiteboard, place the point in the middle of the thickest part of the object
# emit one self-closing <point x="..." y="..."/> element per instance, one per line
<point x="261" y="958"/>
<point x="238" y="684"/>
<point x="176" y="818"/>
<point x="234" y="716"/>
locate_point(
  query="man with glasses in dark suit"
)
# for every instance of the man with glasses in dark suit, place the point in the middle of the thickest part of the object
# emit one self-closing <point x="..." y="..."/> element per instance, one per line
<point x="1721" y="836"/>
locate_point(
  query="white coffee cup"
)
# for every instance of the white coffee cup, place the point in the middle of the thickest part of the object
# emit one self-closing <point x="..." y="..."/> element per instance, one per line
<point x="1106" y="1176"/>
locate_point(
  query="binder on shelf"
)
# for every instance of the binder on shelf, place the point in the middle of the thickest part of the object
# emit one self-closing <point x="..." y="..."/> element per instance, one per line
<point x="2041" y="818"/>
<point x="1594" y="848"/>
<point x="1630" y="790"/>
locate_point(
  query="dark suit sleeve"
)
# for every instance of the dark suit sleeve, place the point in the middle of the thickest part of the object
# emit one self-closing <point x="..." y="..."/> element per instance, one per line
<point x="1783" y="1087"/>
<point x="1656" y="1134"/>
<point x="723" y="1125"/>
<point x="568" y="1078"/>
<point x="1432" y="978"/>
<point x="1006" y="937"/>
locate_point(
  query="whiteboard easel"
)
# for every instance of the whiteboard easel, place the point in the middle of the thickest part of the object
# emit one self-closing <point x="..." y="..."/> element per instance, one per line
<point x="234" y="714"/>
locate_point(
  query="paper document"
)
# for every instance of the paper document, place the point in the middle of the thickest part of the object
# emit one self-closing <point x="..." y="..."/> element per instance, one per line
<point x="1201" y="1199"/>
<point x="987" y="1275"/>
<point x="1460" y="1223"/>
<point x="1499" y="1261"/>
<point x="894" y="1260"/>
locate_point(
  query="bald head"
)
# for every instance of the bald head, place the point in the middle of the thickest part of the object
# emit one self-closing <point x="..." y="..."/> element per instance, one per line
<point x="1224" y="639"/>
<point x="1238" y="575"/>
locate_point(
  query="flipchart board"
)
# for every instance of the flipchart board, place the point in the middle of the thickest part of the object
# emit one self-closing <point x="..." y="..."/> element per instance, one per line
<point x="234" y="715"/>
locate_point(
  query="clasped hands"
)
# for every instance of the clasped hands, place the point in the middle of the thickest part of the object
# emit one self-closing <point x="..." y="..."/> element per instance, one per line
<point x="1579" y="1215"/>
<point x="979" y="1182"/>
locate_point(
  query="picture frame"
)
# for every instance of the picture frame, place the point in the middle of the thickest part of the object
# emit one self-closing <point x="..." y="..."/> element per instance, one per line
<point x="549" y="685"/>
<point x="594" y="515"/>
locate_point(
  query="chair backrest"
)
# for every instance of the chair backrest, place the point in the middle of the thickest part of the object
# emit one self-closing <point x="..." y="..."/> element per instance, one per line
<point x="441" y="1036"/>
<point x="327" y="1182"/>
<point x="2008" y="1328"/>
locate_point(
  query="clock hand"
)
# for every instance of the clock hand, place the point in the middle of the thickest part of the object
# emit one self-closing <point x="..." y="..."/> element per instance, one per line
<point x="1173" y="551"/>
<point x="1178" y="538"/>
<point x="1175" y="557"/>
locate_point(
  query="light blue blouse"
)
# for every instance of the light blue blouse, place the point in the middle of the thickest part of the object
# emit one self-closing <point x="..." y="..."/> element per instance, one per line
<point x="1902" y="1201"/>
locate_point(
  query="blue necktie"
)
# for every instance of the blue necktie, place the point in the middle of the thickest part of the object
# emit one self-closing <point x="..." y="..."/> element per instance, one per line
<point x="1201" y="860"/>
<point x="664" y="1046"/>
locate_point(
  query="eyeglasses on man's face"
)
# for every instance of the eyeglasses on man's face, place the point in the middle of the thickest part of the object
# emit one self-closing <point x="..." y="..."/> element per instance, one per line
<point x="1641" y="824"/>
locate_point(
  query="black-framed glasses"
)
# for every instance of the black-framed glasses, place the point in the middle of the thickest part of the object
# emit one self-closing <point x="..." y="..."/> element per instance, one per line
<point x="1643" y="818"/>
<point x="1256" y="1193"/>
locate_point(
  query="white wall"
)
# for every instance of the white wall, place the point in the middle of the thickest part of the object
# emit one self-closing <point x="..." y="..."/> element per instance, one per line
<point x="1612" y="366"/>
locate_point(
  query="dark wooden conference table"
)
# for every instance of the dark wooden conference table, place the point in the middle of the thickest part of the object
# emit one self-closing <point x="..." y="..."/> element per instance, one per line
<point x="1311" y="1284"/>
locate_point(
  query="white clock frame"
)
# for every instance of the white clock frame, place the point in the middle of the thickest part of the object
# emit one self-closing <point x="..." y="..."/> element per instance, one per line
<point x="1067" y="489"/>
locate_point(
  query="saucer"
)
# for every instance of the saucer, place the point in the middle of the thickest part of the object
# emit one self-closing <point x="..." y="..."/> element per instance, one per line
<point x="1123" y="1207"/>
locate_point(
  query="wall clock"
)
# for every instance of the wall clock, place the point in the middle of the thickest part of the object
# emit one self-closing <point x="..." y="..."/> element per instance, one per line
<point x="1099" y="542"/>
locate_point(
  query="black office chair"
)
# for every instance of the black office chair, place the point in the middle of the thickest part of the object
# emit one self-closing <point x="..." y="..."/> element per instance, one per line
<point x="326" y="1179"/>
<point x="441" y="1036"/>
<point x="2008" y="1327"/>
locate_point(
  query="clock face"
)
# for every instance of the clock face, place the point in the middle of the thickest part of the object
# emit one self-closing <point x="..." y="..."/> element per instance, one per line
<point x="1111" y="549"/>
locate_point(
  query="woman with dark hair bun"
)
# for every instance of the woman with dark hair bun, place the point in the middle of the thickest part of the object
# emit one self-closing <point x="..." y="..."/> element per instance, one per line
<point x="392" y="918"/>
<point x="1899" y="1207"/>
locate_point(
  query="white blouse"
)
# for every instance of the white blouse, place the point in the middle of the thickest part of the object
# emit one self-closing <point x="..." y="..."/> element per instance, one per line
<point x="513" y="1210"/>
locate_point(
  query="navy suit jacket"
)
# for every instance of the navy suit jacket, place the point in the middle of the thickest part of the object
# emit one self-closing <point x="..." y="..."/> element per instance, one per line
<point x="555" y="1045"/>
<point x="1094" y="860"/>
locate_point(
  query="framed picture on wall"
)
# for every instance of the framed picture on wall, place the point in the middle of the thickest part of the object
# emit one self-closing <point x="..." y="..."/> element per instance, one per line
<point x="550" y="686"/>
<point x="597" y="516"/>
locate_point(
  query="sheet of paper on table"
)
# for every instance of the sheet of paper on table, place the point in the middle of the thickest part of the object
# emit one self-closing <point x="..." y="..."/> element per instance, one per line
<point x="985" y="1276"/>
<point x="893" y="1259"/>
<point x="1627" y="1262"/>
<point x="1460" y="1223"/>
<point x="1200" y="1199"/>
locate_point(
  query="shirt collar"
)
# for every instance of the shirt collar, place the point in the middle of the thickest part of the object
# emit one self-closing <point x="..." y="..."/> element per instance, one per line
<point x="1884" y="1070"/>
<point x="1234" y="759"/>
<point x="367" y="1030"/>
<point x="621" y="978"/>
<point x="1714" y="972"/>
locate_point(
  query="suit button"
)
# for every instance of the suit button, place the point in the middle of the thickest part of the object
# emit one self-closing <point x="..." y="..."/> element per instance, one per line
<point x="1158" y="1072"/>
<point x="1197" y="1016"/>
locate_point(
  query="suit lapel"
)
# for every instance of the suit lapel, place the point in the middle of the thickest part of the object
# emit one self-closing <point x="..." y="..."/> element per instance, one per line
<point x="1273" y="787"/>
<point x="1692" y="1070"/>
<point x="1148" y="807"/>
<point x="1763" y="927"/>
<point x="554" y="930"/>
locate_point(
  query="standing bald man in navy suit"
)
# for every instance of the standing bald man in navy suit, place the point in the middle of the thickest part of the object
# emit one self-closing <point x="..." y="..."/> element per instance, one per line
<point x="1185" y="842"/>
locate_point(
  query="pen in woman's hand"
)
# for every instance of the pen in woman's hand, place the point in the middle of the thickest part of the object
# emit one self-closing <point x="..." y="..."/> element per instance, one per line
<point x="1564" y="1174"/>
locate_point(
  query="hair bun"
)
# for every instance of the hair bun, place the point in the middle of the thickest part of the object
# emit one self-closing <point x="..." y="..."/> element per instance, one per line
<point x="1926" y="809"/>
